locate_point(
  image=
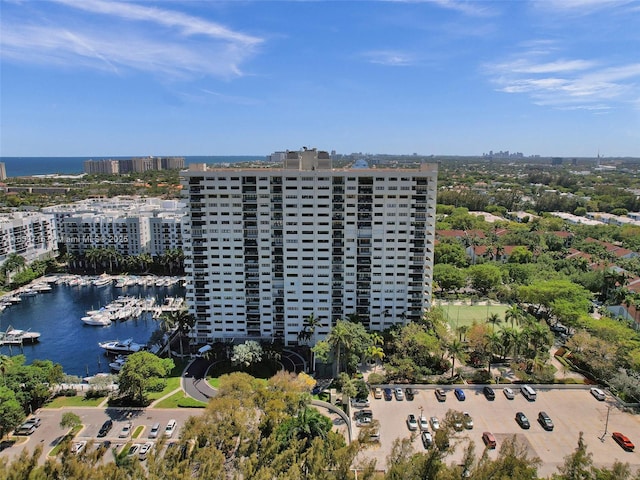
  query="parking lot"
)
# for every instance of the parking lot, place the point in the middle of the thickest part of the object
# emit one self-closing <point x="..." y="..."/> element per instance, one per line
<point x="49" y="432"/>
<point x="572" y="411"/>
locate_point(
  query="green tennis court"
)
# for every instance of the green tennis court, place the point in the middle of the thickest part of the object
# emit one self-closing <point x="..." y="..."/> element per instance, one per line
<point x="459" y="315"/>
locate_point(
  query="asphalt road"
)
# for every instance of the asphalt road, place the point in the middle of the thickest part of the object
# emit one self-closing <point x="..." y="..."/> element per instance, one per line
<point x="194" y="383"/>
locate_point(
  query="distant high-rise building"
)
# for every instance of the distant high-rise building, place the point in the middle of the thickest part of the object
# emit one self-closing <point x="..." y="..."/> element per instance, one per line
<point x="107" y="167"/>
<point x="267" y="248"/>
<point x="3" y="171"/>
<point x="137" y="165"/>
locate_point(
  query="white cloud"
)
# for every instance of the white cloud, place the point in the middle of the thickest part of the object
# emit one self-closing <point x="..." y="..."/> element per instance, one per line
<point x="567" y="83"/>
<point x="188" y="24"/>
<point x="174" y="45"/>
<point x="471" y="8"/>
<point x="392" y="58"/>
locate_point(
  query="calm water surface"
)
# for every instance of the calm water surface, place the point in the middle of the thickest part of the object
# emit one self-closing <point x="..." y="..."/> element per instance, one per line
<point x="65" y="338"/>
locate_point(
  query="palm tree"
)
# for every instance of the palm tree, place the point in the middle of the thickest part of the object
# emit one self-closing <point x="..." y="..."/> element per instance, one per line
<point x="462" y="332"/>
<point x="181" y="320"/>
<point x="493" y="345"/>
<point x="376" y="354"/>
<point x="339" y="339"/>
<point x="513" y="315"/>
<point x="144" y="260"/>
<point x="456" y="350"/>
<point x="93" y="256"/>
<point x="493" y="319"/>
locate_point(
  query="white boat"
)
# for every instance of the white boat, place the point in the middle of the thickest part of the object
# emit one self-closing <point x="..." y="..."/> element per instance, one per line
<point x="101" y="319"/>
<point x="121" y="347"/>
<point x="102" y="281"/>
<point x="117" y="364"/>
<point x="42" y="287"/>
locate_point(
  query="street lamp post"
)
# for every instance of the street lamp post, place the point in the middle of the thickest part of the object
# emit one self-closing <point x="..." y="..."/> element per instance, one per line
<point x="606" y="424"/>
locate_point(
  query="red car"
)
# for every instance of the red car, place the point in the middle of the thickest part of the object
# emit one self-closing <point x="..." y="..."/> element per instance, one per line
<point x="623" y="441"/>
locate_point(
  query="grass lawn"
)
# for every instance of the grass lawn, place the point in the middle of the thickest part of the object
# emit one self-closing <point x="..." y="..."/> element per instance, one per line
<point x="180" y="400"/>
<point x="459" y="315"/>
<point x="77" y="401"/>
<point x="173" y="381"/>
<point x="137" y="431"/>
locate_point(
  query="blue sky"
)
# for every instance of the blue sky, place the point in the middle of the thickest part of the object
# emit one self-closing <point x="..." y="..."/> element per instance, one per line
<point x="441" y="77"/>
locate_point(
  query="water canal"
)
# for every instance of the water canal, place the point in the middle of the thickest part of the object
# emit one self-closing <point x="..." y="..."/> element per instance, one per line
<point x="65" y="339"/>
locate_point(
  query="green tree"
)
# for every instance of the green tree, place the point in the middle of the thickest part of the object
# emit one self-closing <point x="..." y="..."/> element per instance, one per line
<point x="485" y="277"/>
<point x="450" y="252"/>
<point x="11" y="413"/>
<point x="456" y="350"/>
<point x="449" y="277"/>
<point x="182" y="321"/>
<point x="347" y="340"/>
<point x="494" y="319"/>
<point x="577" y="466"/>
<point x="70" y="420"/>
<point x="247" y="354"/>
<point x="141" y="371"/>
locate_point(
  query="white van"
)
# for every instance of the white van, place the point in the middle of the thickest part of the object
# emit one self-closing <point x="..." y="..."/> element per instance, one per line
<point x="528" y="393"/>
<point x="171" y="426"/>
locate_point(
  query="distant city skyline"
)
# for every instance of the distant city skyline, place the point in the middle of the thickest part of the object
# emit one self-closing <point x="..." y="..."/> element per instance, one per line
<point x="555" y="78"/>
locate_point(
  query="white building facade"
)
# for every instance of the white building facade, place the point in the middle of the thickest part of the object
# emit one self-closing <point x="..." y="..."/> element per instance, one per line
<point x="31" y="235"/>
<point x="130" y="225"/>
<point x="267" y="248"/>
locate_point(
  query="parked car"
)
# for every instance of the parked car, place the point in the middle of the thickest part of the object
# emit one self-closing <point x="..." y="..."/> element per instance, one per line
<point x="489" y="393"/>
<point x="412" y="423"/>
<point x="522" y="420"/>
<point x="435" y="424"/>
<point x="457" y="423"/>
<point x="388" y="394"/>
<point x="144" y="450"/>
<point x="427" y="439"/>
<point x="508" y="392"/>
<point x="133" y="449"/>
<point x="105" y="428"/>
<point x="78" y="447"/>
<point x="125" y="432"/>
<point x="360" y="402"/>
<point x="25" y="429"/>
<point x="489" y="440"/>
<point x="155" y="430"/>
<point x="423" y="423"/>
<point x="623" y="441"/>
<point x="467" y="420"/>
<point x="377" y="393"/>
<point x="597" y="393"/>
<point x="459" y="393"/>
<point x="104" y="445"/>
<point x="441" y="395"/>
<point x="36" y="421"/>
<point x="410" y="393"/>
<point x="171" y="426"/>
<point x="545" y="421"/>
<point x="398" y="392"/>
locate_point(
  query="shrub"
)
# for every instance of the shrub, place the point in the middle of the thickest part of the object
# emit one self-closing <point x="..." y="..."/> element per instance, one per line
<point x="481" y="376"/>
<point x="66" y="392"/>
<point x="96" y="393"/>
<point x="376" y="379"/>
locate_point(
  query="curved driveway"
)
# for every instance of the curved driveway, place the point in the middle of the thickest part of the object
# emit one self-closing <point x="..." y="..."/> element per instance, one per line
<point x="194" y="383"/>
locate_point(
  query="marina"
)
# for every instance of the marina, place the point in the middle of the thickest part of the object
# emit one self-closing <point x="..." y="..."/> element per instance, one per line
<point x="56" y="315"/>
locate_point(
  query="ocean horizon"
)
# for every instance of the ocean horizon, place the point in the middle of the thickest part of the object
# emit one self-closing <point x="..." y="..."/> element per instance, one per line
<point x="28" y="166"/>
